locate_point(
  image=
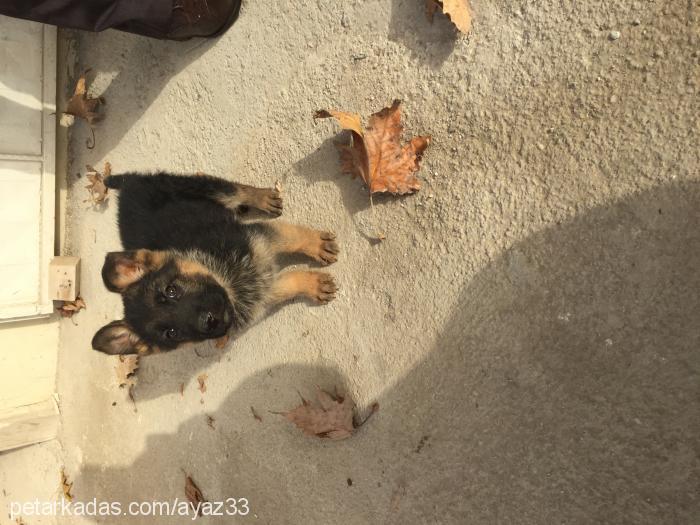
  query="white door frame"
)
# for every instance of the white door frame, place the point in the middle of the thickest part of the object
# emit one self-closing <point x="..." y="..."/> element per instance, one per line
<point x="47" y="158"/>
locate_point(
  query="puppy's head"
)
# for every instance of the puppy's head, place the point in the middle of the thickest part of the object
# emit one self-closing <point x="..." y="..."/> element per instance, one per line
<point x="168" y="300"/>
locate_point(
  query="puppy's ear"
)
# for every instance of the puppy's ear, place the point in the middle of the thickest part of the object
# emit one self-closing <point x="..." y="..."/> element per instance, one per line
<point x="122" y="269"/>
<point x="117" y="338"/>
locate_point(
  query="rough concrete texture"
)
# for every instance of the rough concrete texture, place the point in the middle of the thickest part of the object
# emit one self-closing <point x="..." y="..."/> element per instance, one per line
<point x="29" y="474"/>
<point x="529" y="326"/>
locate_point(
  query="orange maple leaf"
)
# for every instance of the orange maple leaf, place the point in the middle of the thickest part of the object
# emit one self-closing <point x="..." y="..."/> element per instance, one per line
<point x="376" y="155"/>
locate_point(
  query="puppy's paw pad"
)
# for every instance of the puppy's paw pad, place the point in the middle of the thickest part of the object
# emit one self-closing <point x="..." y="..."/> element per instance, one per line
<point x="327" y="250"/>
<point x="324" y="288"/>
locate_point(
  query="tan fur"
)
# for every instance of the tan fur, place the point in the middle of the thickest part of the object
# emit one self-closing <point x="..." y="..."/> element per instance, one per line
<point x="144" y="261"/>
<point x="318" y="286"/>
<point x="316" y="244"/>
<point x="265" y="199"/>
<point x="188" y="267"/>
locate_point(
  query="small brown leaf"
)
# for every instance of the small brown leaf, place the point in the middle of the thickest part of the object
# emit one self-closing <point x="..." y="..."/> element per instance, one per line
<point x="255" y="415"/>
<point x="376" y="154"/>
<point x="194" y="495"/>
<point x="210" y="422"/>
<point x="333" y="419"/>
<point x="97" y="188"/>
<point x="221" y="342"/>
<point x="201" y="379"/>
<point x="66" y="486"/>
<point x="126" y="368"/>
<point x="458" y="11"/>
<point x="81" y="105"/>
<point x="70" y="308"/>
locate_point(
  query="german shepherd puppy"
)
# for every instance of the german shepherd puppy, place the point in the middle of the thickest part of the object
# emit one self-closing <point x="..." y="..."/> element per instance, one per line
<point x="192" y="270"/>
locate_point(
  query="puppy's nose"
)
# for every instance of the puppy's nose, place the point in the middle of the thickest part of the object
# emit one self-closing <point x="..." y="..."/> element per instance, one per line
<point x="208" y="322"/>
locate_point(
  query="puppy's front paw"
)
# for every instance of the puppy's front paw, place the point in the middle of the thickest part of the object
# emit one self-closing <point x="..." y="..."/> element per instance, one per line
<point x="271" y="202"/>
<point x="325" y="249"/>
<point x="323" y="287"/>
<point x="268" y="200"/>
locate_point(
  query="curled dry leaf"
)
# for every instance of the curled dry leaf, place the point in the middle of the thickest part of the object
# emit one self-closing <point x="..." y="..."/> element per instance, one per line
<point x="97" y="188"/>
<point x="126" y="368"/>
<point x="255" y="415"/>
<point x="376" y="155"/>
<point x="332" y="419"/>
<point x="70" y="308"/>
<point x="66" y="486"/>
<point x="194" y="495"/>
<point x="202" y="380"/>
<point x="81" y="105"/>
<point x="458" y="11"/>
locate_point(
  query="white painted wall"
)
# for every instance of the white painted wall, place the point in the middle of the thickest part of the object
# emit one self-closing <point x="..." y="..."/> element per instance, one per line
<point x="27" y="166"/>
<point x="28" y="348"/>
<point x="28" y="355"/>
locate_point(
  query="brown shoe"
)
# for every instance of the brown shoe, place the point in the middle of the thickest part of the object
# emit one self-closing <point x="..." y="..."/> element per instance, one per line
<point x="202" y="18"/>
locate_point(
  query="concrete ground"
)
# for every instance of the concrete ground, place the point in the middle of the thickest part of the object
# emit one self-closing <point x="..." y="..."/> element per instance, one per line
<point x="529" y="326"/>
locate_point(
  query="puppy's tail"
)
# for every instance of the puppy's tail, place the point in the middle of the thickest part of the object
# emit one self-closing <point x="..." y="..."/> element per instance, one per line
<point x="115" y="182"/>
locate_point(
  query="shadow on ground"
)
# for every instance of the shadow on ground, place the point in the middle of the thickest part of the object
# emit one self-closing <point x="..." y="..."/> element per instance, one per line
<point x="144" y="65"/>
<point x="432" y="43"/>
<point x="562" y="390"/>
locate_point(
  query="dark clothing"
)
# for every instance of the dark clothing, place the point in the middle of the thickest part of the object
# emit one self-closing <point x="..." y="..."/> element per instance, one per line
<point x="144" y="17"/>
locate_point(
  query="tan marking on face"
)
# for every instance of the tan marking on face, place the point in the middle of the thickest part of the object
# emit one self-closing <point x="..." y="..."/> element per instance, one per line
<point x="143" y="349"/>
<point x="189" y="267"/>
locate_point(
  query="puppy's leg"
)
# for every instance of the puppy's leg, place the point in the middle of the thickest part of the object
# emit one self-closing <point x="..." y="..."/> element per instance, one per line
<point x="268" y="200"/>
<point x="319" y="245"/>
<point x="317" y="286"/>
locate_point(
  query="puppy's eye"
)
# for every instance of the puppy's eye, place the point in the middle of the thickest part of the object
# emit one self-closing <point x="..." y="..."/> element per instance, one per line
<point x="170" y="333"/>
<point x="171" y="291"/>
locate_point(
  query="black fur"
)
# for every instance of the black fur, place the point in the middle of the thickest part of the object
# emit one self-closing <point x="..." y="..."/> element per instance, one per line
<point x="172" y="212"/>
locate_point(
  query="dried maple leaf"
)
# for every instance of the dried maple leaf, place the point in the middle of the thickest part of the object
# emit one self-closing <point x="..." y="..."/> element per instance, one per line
<point x="66" y="486"/>
<point x="376" y="155"/>
<point x="194" y="495"/>
<point x="458" y="11"/>
<point x="82" y="105"/>
<point x="70" y="308"/>
<point x="201" y="379"/>
<point x="333" y="419"/>
<point x="126" y="368"/>
<point x="97" y="188"/>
